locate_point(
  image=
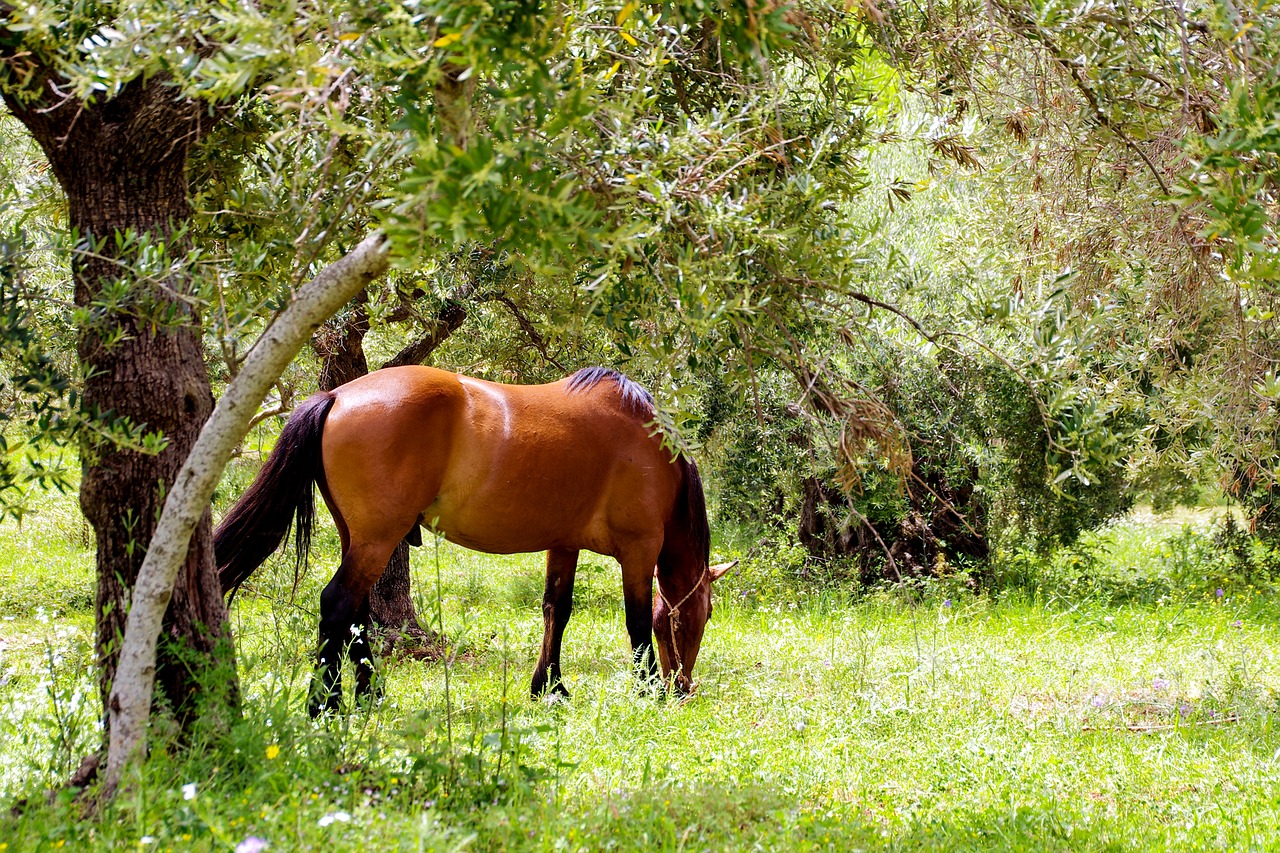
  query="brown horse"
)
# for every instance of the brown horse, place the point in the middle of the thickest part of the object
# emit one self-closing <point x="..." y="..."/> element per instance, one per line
<point x="504" y="469"/>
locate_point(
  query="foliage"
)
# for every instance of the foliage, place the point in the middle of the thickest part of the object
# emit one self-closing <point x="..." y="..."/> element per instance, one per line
<point x="1181" y="560"/>
<point x="1030" y="444"/>
<point x="639" y="196"/>
<point x="1132" y="145"/>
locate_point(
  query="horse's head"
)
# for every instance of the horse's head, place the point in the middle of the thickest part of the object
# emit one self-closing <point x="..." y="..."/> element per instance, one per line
<point x="679" y="622"/>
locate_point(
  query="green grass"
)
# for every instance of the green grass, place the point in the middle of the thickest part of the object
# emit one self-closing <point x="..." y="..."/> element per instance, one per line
<point x="46" y="562"/>
<point x="1036" y="719"/>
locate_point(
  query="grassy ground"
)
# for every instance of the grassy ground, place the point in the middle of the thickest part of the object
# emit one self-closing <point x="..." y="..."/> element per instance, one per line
<point x="1096" y="708"/>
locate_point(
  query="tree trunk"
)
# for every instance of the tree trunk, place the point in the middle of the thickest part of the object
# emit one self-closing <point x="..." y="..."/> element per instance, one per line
<point x="122" y="164"/>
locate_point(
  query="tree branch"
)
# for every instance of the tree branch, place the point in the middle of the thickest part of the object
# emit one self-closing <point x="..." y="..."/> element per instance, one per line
<point x="526" y="325"/>
<point x="1029" y="29"/>
<point x="447" y="321"/>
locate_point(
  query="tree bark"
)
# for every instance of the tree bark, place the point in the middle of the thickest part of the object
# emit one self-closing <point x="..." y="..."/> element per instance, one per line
<point x="186" y="507"/>
<point x="122" y="164"/>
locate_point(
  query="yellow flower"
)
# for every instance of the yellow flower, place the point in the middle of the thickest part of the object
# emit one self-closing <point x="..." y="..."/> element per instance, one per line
<point x="272" y="752"/>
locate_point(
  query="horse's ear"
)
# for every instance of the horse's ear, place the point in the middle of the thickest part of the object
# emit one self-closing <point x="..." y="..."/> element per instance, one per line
<point x="721" y="569"/>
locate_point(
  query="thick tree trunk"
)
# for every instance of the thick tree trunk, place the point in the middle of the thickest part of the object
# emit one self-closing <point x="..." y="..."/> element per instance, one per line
<point x="339" y="344"/>
<point x="122" y="165"/>
<point x="391" y="605"/>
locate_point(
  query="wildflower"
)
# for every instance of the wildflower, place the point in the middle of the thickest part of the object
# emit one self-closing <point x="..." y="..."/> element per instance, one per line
<point x="946" y="603"/>
<point x="189" y="791"/>
<point x="252" y="844"/>
<point x="272" y="752"/>
<point x="1184" y="710"/>
<point x="335" y="816"/>
<point x="147" y="839"/>
<point x="1160" y="684"/>
<point x="1220" y="592"/>
<point x="1237" y="624"/>
<point x="1099" y="701"/>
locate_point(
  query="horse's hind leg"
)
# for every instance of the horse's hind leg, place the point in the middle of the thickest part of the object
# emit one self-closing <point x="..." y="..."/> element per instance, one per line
<point x="360" y="653"/>
<point x="338" y="609"/>
<point x="557" y="604"/>
<point x="341" y="605"/>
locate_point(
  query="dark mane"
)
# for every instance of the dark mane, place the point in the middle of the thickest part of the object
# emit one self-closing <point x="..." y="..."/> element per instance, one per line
<point x="634" y="397"/>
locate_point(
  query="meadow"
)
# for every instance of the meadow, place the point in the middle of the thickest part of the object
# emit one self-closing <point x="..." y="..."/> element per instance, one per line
<point x="1118" y="696"/>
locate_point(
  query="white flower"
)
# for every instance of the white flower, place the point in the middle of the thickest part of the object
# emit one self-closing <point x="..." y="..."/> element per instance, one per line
<point x="147" y="839"/>
<point x="189" y="791"/>
<point x="332" y="816"/>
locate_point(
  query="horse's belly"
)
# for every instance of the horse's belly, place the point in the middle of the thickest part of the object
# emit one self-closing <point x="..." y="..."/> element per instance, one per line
<point x="508" y="540"/>
<point x="498" y="527"/>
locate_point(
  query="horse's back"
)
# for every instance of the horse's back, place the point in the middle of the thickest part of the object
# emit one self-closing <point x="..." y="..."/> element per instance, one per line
<point x="498" y="468"/>
<point x="554" y="468"/>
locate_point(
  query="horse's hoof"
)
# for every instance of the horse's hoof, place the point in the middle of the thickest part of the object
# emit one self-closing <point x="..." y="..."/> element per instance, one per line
<point x="318" y="706"/>
<point x="545" y="689"/>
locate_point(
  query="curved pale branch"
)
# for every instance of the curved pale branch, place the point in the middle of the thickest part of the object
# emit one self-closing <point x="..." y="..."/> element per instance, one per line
<point x="130" y="702"/>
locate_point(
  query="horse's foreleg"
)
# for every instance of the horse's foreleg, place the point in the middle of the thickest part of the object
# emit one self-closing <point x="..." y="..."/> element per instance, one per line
<point x="637" y="594"/>
<point x="557" y="604"/>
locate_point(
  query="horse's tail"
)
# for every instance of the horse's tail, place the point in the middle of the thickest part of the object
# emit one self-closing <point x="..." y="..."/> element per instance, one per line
<point x="254" y="528"/>
<point x="691" y="508"/>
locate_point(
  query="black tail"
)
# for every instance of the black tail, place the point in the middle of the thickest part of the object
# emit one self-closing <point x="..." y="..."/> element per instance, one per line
<point x="254" y="528"/>
<point x="691" y="507"/>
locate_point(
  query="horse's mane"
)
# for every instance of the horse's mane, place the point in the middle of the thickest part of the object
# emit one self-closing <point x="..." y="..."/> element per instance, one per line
<point x="634" y="397"/>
